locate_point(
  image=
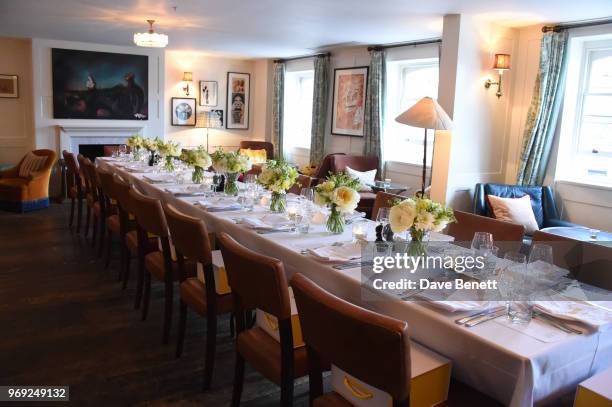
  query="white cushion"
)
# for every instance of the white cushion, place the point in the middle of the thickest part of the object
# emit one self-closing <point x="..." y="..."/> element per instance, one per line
<point x="366" y="178"/>
<point x="31" y="163"/>
<point x="514" y="210"/>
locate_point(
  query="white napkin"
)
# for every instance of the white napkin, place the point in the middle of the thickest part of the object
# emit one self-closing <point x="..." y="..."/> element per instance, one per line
<point x="456" y="306"/>
<point x="268" y="222"/>
<point x="338" y="253"/>
<point x="159" y="178"/>
<point x="137" y="169"/>
<point x="597" y="318"/>
<point x="220" y="204"/>
<point x="186" y="190"/>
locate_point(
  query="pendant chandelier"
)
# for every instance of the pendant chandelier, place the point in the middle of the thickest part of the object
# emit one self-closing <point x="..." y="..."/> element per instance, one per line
<point x="151" y="39"/>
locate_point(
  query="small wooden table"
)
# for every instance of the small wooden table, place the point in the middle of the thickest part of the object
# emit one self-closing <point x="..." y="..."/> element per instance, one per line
<point x="391" y="188"/>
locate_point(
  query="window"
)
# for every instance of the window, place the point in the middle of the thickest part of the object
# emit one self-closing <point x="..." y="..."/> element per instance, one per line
<point x="407" y="82"/>
<point x="297" y="110"/>
<point x="585" y="151"/>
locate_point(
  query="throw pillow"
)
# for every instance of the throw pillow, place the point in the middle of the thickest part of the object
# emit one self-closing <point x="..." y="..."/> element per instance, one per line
<point x="31" y="163"/>
<point x="366" y="178"/>
<point x="256" y="156"/>
<point x="514" y="210"/>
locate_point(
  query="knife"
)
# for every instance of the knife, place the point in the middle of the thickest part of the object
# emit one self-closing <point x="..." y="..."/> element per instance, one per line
<point x="468" y="318"/>
<point x="484" y="318"/>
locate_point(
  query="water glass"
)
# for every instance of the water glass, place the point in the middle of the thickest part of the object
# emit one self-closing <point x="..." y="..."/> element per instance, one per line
<point x="383" y="216"/>
<point x="520" y="312"/>
<point x="250" y="178"/>
<point x="307" y="194"/>
<point x="482" y="243"/>
<point x="302" y="222"/>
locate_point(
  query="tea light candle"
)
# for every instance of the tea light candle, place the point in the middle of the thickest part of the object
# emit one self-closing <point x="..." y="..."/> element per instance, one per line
<point x="292" y="211"/>
<point x="318" y="218"/>
<point x="264" y="201"/>
<point x="359" y="231"/>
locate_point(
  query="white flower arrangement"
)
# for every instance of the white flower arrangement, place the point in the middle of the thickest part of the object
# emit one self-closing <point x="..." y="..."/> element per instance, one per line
<point x="135" y="142"/>
<point x="339" y="190"/>
<point x="278" y="176"/>
<point x="168" y="149"/>
<point x="196" y="158"/>
<point x="420" y="216"/>
<point x="230" y="162"/>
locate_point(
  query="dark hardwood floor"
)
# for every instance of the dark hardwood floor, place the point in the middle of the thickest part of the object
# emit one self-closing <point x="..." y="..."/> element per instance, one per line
<point x="64" y="320"/>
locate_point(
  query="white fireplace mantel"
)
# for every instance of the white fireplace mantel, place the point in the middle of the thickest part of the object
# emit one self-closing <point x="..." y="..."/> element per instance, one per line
<point x="72" y="136"/>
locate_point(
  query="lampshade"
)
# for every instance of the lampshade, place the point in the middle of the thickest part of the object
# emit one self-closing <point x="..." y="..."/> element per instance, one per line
<point x="426" y="114"/>
<point x="207" y="120"/>
<point x="502" y="62"/>
<point x="151" y="39"/>
<point x="187" y="76"/>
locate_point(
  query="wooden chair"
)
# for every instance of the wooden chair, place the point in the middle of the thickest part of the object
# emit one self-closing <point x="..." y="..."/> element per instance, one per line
<point x="368" y="346"/>
<point x="74" y="188"/>
<point x="91" y="194"/>
<point x="384" y="200"/>
<point x="507" y="236"/>
<point x="303" y="181"/>
<point x="110" y="223"/>
<point x="190" y="239"/>
<point x="259" y="282"/>
<point x="153" y="233"/>
<point x="128" y="233"/>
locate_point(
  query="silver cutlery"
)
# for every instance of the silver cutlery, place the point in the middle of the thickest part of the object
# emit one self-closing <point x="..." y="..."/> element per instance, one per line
<point x="556" y="323"/>
<point x="468" y="318"/>
<point x="349" y="265"/>
<point x="484" y="318"/>
<point x="268" y="231"/>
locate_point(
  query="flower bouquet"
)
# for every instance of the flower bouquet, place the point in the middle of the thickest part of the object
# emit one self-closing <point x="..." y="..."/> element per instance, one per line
<point x="136" y="143"/>
<point x="339" y="193"/>
<point x="419" y="216"/>
<point x="230" y="164"/>
<point x="151" y="147"/>
<point x="199" y="160"/>
<point x="169" y="151"/>
<point x="278" y="176"/>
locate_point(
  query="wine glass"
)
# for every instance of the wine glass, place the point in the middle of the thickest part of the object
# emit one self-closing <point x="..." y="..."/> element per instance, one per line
<point x="383" y="216"/>
<point x="540" y="257"/>
<point x="250" y="178"/>
<point x="482" y="243"/>
<point x="307" y="194"/>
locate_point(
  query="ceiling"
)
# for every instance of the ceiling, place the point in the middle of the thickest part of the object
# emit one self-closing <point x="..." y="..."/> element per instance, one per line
<point x="272" y="28"/>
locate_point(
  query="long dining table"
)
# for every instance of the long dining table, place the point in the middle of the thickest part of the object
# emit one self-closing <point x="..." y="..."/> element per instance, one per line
<point x="515" y="365"/>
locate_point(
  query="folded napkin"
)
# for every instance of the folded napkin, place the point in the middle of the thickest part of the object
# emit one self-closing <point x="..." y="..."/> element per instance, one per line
<point x="454" y="305"/>
<point x="268" y="222"/>
<point x="186" y="190"/>
<point x="159" y="178"/>
<point x="220" y="205"/>
<point x="337" y="253"/>
<point x="597" y="318"/>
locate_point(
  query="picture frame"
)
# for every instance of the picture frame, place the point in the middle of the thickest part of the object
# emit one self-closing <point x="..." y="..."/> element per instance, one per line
<point x="238" y="100"/>
<point x="349" y="99"/>
<point x="217" y="118"/>
<point x="9" y="86"/>
<point x="209" y="91"/>
<point x="183" y="111"/>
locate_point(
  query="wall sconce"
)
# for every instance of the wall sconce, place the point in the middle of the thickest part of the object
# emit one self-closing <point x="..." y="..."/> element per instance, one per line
<point x="502" y="63"/>
<point x="187" y="78"/>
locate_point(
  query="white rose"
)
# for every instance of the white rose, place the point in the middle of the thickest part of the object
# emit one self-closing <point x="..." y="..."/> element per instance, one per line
<point x="346" y="198"/>
<point x="401" y="216"/>
<point x="425" y="221"/>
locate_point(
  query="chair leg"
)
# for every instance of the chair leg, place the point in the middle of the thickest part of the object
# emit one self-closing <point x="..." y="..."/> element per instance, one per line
<point x="102" y="236"/>
<point x="211" y="345"/>
<point x="182" y="325"/>
<point x="146" y="295"/>
<point x="231" y="322"/>
<point x="169" y="294"/>
<point x="238" y="380"/>
<point x="124" y="273"/>
<point x="79" y="214"/>
<point x="286" y="390"/>
<point x="94" y="230"/>
<point x="72" y="205"/>
<point x="87" y="221"/>
<point x="109" y="245"/>
<point x="140" y="281"/>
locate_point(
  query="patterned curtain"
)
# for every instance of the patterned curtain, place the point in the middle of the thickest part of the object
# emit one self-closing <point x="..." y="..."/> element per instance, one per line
<point x="544" y="110"/>
<point x="320" y="97"/>
<point x="277" y="108"/>
<point x="374" y="112"/>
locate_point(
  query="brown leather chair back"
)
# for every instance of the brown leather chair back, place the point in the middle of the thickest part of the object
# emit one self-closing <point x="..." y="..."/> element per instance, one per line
<point x="121" y="189"/>
<point x="83" y="171"/>
<point x="325" y="166"/>
<point x="371" y="347"/>
<point x="91" y="178"/>
<point x="107" y="183"/>
<point x="149" y="213"/>
<point x="356" y="162"/>
<point x="189" y="235"/>
<point x="259" y="145"/>
<point x="73" y="178"/>
<point x="257" y="281"/>
<point x="384" y="200"/>
<point x="467" y="224"/>
<point x="303" y="181"/>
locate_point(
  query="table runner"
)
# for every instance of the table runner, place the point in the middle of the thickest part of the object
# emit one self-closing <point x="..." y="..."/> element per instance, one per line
<point x="514" y="368"/>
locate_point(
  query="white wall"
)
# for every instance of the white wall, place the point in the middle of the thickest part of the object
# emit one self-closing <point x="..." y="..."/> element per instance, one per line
<point x="46" y="134"/>
<point x="210" y="68"/>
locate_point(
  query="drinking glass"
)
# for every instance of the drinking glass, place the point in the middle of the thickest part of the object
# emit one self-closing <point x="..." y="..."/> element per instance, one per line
<point x="541" y="252"/>
<point x="520" y="312"/>
<point x="383" y="216"/>
<point x="520" y="309"/>
<point x="482" y="243"/>
<point x="250" y="178"/>
<point x="516" y="258"/>
<point x="307" y="194"/>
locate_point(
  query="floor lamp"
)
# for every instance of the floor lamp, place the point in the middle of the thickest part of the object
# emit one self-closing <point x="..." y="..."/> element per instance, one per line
<point x="208" y="120"/>
<point x="425" y="114"/>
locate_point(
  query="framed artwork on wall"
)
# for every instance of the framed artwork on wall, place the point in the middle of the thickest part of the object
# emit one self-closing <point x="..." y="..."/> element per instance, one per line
<point x="216" y="118"/>
<point x="9" y="87"/>
<point x="208" y="93"/>
<point x="183" y="111"/>
<point x="348" y="107"/>
<point x="99" y="85"/>
<point x="238" y="95"/>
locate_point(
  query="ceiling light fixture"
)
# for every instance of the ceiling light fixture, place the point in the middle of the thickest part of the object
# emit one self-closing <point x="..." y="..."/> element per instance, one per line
<point x="151" y="39"/>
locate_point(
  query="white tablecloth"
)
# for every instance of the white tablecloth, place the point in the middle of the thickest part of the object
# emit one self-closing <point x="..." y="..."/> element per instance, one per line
<point x="514" y="367"/>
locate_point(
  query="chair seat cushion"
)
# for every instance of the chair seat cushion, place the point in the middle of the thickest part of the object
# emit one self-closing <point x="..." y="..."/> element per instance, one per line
<point x="14" y="189"/>
<point x="193" y="293"/>
<point x="262" y="352"/>
<point x="332" y="399"/>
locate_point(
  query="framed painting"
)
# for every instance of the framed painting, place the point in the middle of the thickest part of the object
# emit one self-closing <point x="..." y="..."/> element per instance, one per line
<point x="183" y="111"/>
<point x="208" y="93"/>
<point x="216" y="118"/>
<point x="238" y="95"/>
<point x="348" y="107"/>
<point x="99" y="85"/>
<point x="9" y="86"/>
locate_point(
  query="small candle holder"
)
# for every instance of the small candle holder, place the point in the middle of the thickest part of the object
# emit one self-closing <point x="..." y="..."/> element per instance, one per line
<point x="359" y="232"/>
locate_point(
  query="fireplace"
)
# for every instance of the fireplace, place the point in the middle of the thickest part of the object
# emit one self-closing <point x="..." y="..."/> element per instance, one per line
<point x="73" y="137"/>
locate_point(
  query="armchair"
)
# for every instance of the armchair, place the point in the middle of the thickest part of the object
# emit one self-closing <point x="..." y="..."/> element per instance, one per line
<point x="542" y="202"/>
<point x="258" y="145"/>
<point x="19" y="194"/>
<point x="359" y="163"/>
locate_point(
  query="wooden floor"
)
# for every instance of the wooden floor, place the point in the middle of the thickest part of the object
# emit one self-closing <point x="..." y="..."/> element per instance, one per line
<point x="64" y="320"/>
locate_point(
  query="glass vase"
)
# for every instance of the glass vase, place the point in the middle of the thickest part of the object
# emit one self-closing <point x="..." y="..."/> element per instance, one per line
<point x="197" y="176"/>
<point x="169" y="164"/>
<point x="335" y="221"/>
<point x="231" y="184"/>
<point x="418" y="242"/>
<point x="137" y="154"/>
<point x="278" y="202"/>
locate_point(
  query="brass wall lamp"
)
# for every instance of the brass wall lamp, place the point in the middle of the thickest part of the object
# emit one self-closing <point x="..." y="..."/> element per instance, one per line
<point x="502" y="63"/>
